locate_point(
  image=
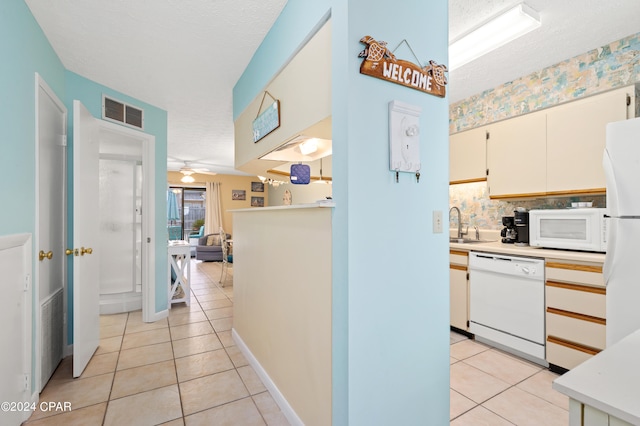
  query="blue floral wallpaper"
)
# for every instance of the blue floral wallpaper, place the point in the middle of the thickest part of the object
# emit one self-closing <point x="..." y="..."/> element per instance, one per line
<point x="607" y="67"/>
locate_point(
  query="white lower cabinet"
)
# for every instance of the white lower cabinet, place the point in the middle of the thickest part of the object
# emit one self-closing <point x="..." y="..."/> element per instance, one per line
<point x="586" y="415"/>
<point x="459" y="289"/>
<point x="575" y="312"/>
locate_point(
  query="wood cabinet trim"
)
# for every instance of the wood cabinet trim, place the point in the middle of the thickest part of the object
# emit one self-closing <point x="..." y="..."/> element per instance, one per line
<point x="456" y="182"/>
<point x="574" y="267"/>
<point x="514" y="196"/>
<point x="590" y="191"/>
<point x="459" y="253"/>
<point x="458" y="267"/>
<point x="577" y="287"/>
<point x="571" y="345"/>
<point x="581" y="317"/>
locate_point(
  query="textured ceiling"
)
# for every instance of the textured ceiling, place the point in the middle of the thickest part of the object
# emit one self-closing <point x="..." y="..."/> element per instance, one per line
<point x="185" y="56"/>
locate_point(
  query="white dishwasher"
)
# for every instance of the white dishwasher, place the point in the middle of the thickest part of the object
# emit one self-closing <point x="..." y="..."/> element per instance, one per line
<point x="506" y="303"/>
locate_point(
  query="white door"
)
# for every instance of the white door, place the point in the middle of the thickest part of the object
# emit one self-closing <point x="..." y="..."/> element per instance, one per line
<point x="86" y="320"/>
<point x="50" y="247"/>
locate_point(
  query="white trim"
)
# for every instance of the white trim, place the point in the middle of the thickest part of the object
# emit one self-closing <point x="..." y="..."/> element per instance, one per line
<point x="25" y="241"/>
<point x="286" y="409"/>
<point x="148" y="216"/>
<point x="41" y="83"/>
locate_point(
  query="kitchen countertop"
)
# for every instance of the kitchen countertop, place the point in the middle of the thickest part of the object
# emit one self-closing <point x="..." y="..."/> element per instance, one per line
<point x="608" y="381"/>
<point x="510" y="249"/>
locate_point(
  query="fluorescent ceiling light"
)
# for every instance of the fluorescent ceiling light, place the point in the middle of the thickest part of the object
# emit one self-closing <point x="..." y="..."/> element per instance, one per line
<point x="494" y="33"/>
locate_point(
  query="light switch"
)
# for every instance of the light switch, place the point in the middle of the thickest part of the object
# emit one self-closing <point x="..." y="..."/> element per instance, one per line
<point x="404" y="137"/>
<point x="437" y="221"/>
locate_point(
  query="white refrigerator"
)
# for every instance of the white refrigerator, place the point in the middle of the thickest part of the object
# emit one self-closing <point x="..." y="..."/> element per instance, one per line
<point x="622" y="265"/>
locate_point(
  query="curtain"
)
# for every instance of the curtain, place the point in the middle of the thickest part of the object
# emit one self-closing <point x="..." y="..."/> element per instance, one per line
<point x="213" y="218"/>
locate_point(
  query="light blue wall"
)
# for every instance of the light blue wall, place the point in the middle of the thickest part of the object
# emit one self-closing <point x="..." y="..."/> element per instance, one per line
<point x="24" y="51"/>
<point x="390" y="272"/>
<point x="155" y="123"/>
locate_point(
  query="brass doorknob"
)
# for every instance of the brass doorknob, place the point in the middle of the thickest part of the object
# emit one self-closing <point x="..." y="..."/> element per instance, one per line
<point x="68" y="252"/>
<point x="87" y="250"/>
<point x="42" y="255"/>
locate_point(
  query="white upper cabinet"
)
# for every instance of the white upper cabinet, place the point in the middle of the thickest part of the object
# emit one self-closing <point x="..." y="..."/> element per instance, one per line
<point x="517" y="156"/>
<point x="468" y="156"/>
<point x="576" y="134"/>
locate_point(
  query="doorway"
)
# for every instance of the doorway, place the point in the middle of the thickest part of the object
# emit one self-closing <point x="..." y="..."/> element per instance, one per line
<point x="124" y="217"/>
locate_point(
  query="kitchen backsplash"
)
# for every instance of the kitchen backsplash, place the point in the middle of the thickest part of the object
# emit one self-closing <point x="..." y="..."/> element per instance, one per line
<point x="478" y="210"/>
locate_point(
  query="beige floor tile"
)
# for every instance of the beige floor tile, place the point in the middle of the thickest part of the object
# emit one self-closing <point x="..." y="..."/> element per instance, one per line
<point x="270" y="410"/>
<point x="523" y="409"/>
<point x="176" y="422"/>
<point x="211" y="391"/>
<point x="91" y="415"/>
<point x="211" y="296"/>
<point x="79" y="392"/>
<point x="503" y="366"/>
<point x="64" y="370"/>
<point x="214" y="314"/>
<point x="226" y="339"/>
<point x="187" y="318"/>
<point x="144" y="355"/>
<point x="101" y="364"/>
<point x="223" y="324"/>
<point x="480" y="416"/>
<point x="111" y="330"/>
<point x="136" y="326"/>
<point x="195" y="345"/>
<point x="236" y="356"/>
<point x="540" y="386"/>
<point x="452" y="360"/>
<point x="210" y="289"/>
<point x="182" y="308"/>
<point x="204" y="364"/>
<point x="251" y="380"/>
<point x="215" y="304"/>
<point x="473" y="383"/>
<point x="467" y="348"/>
<point x="242" y="412"/>
<point x="142" y="379"/>
<point x="190" y="330"/>
<point x="456" y="337"/>
<point x="151" y="407"/>
<point x="110" y="344"/>
<point x="459" y="404"/>
<point x="115" y="319"/>
<point x="145" y="338"/>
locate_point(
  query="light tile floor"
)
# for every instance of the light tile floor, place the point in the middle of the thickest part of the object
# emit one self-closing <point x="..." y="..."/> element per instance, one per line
<point x="491" y="387"/>
<point x="186" y="370"/>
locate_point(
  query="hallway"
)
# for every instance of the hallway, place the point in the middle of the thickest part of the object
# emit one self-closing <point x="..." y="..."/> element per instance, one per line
<point x="182" y="371"/>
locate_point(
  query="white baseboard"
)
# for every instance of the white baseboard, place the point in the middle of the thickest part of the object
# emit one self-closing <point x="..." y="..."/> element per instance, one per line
<point x="286" y="409"/>
<point x="158" y="315"/>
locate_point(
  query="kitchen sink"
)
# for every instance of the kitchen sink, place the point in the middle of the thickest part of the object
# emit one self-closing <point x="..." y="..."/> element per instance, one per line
<point x="468" y="240"/>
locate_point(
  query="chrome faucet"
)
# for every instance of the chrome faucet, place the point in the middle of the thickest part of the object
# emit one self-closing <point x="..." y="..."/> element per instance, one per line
<point x="459" y="220"/>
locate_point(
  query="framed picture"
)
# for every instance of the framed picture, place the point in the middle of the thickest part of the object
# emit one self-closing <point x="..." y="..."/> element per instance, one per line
<point x="238" y="194"/>
<point x="257" y="187"/>
<point x="257" y="201"/>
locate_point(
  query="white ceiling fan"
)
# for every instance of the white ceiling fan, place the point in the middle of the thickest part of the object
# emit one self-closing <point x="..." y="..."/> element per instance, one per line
<point x="189" y="168"/>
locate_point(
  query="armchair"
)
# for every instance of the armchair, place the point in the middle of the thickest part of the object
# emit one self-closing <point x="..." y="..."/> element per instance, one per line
<point x="213" y="252"/>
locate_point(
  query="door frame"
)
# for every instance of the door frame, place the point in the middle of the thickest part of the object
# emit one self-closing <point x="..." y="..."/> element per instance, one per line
<point x="148" y="214"/>
<point x="40" y="83"/>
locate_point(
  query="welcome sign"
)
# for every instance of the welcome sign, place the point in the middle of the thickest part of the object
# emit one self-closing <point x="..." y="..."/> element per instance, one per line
<point x="381" y="63"/>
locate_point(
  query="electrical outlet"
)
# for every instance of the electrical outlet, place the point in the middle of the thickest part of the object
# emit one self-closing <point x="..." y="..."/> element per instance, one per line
<point x="437" y="221"/>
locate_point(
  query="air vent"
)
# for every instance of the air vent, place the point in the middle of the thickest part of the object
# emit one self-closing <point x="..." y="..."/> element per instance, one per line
<point x="122" y="113"/>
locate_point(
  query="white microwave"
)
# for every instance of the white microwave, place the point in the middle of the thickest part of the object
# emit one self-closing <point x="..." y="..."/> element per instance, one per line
<point x="569" y="229"/>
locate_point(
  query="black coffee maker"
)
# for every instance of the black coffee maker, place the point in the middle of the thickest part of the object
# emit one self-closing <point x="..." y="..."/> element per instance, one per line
<point x="521" y="219"/>
<point x="509" y="233"/>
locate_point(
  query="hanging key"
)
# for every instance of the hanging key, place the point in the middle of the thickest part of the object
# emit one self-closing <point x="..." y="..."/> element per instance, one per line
<point x="397" y="176"/>
<point x="418" y="177"/>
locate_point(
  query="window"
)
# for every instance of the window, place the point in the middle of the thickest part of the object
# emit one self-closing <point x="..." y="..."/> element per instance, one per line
<point x="190" y="212"/>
